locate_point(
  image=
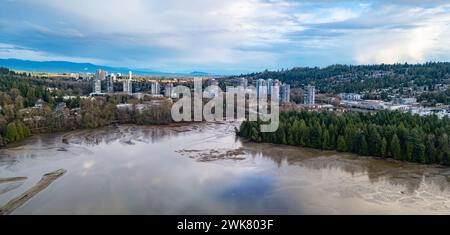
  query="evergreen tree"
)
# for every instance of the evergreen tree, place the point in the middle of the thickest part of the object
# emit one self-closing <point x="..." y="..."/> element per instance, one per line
<point x="254" y="134"/>
<point x="341" y="145"/>
<point x="364" y="148"/>
<point x="290" y="136"/>
<point x="421" y="153"/>
<point x="316" y="135"/>
<point x="430" y="150"/>
<point x="385" y="134"/>
<point x="326" y="140"/>
<point x="395" y="148"/>
<point x="383" y="148"/>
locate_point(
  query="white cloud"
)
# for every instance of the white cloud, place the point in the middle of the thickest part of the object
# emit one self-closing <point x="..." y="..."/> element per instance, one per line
<point x="416" y="44"/>
<point x="239" y="34"/>
<point x="412" y="46"/>
<point x="10" y="51"/>
<point x="199" y="31"/>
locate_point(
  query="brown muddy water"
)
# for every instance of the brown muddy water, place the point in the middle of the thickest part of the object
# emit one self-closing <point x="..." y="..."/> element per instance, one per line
<point x="205" y="169"/>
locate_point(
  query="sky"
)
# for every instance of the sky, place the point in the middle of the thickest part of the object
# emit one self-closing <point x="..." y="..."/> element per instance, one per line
<point x="225" y="36"/>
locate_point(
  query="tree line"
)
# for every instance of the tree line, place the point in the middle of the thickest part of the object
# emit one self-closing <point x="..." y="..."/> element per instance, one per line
<point x="401" y="136"/>
<point x="20" y="91"/>
<point x="361" y="78"/>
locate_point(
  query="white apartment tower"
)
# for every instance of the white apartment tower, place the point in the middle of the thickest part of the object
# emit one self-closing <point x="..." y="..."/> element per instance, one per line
<point x="243" y="82"/>
<point x="155" y="90"/>
<point x="97" y="81"/>
<point x="285" y="93"/>
<point x="261" y="87"/>
<point x="128" y="84"/>
<point x="310" y="95"/>
<point x="168" y="91"/>
<point x="110" y="83"/>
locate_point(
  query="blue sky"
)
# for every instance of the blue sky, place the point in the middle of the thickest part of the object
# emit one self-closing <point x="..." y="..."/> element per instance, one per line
<point x="225" y="36"/>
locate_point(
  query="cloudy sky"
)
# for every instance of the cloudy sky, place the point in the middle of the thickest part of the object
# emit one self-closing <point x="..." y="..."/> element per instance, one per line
<point x="225" y="36"/>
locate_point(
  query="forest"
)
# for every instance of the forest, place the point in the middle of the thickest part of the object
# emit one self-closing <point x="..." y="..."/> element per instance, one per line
<point x="19" y="118"/>
<point x="358" y="78"/>
<point x="401" y="136"/>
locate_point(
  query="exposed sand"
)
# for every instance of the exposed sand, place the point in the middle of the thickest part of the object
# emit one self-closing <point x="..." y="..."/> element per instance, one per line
<point x="292" y="180"/>
<point x="214" y="154"/>
<point x="45" y="181"/>
<point x="12" y="179"/>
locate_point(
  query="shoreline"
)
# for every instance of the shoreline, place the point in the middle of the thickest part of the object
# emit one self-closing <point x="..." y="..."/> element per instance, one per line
<point x="12" y="179"/>
<point x="276" y="168"/>
<point x="184" y="124"/>
<point x="18" y="201"/>
<point x="348" y="154"/>
<point x="63" y="132"/>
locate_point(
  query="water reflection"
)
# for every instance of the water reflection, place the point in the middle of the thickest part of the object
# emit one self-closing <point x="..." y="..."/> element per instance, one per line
<point x="6" y="187"/>
<point x="249" y="188"/>
<point x="149" y="170"/>
<point x="127" y="135"/>
<point x="409" y="175"/>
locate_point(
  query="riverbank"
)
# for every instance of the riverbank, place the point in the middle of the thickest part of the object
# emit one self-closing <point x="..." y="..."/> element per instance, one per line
<point x="12" y="179"/>
<point x="16" y="202"/>
<point x="131" y="169"/>
<point x="401" y="136"/>
<point x="18" y="143"/>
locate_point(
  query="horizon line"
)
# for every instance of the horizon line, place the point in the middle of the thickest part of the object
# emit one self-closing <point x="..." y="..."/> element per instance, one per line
<point x="205" y="72"/>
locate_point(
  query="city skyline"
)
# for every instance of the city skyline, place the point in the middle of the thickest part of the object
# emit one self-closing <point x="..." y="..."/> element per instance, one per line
<point x="225" y="37"/>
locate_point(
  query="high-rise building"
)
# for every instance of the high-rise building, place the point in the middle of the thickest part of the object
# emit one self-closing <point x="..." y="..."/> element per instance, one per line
<point x="261" y="87"/>
<point x="276" y="88"/>
<point x="213" y="89"/>
<point x="243" y="82"/>
<point x="310" y="95"/>
<point x="96" y="86"/>
<point x="97" y="81"/>
<point x="168" y="90"/>
<point x="101" y="74"/>
<point x="285" y="93"/>
<point x="128" y="84"/>
<point x="155" y="88"/>
<point x="269" y="86"/>
<point x="110" y="83"/>
<point x="277" y="82"/>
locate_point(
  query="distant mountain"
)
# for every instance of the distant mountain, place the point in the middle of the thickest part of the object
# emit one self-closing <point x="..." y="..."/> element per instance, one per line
<point x="71" y="67"/>
<point x="199" y="74"/>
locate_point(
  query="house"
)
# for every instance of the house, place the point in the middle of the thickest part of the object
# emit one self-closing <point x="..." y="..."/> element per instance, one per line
<point x="39" y="104"/>
<point x="60" y="106"/>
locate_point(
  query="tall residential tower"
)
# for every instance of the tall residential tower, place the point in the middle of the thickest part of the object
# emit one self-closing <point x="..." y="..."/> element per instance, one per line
<point x="97" y="81"/>
<point x="128" y="84"/>
<point x="310" y="95"/>
<point x="285" y="93"/>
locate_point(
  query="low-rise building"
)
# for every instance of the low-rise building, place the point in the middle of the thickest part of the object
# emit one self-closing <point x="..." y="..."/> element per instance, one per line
<point x="400" y="107"/>
<point x="350" y="96"/>
<point x="39" y="104"/>
<point x="138" y="95"/>
<point x="406" y="101"/>
<point x="60" y="106"/>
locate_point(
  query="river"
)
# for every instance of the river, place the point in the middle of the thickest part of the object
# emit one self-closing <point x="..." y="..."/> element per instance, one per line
<point x="206" y="169"/>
